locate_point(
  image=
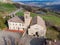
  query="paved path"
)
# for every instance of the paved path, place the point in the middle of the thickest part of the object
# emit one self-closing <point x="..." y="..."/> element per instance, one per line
<point x="13" y="13"/>
<point x="9" y="38"/>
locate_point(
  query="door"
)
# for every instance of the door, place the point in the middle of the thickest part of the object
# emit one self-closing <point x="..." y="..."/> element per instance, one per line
<point x="37" y="34"/>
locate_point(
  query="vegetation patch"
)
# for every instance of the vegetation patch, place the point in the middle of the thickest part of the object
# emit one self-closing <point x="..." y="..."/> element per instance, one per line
<point x="54" y="19"/>
<point x="6" y="8"/>
<point x="52" y="33"/>
<point x="20" y="13"/>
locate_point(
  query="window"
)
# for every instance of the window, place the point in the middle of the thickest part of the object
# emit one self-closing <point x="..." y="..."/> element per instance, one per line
<point x="26" y="16"/>
<point x="16" y="24"/>
<point x="13" y="24"/>
<point x="18" y="28"/>
<point x="20" y="24"/>
<point x="13" y="27"/>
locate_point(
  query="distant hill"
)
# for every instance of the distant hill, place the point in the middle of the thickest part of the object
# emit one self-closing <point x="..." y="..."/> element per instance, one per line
<point x="48" y="5"/>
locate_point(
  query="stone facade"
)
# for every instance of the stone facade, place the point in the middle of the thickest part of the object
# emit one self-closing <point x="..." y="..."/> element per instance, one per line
<point x="37" y="27"/>
<point x="15" y="26"/>
<point x="27" y="18"/>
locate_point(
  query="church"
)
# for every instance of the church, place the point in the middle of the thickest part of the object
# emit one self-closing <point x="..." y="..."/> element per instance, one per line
<point x="35" y="25"/>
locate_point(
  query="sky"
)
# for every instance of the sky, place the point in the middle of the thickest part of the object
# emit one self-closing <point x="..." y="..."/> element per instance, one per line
<point x="36" y="0"/>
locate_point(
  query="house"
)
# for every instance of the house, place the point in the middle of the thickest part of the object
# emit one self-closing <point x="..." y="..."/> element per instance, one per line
<point x="19" y="23"/>
<point x="15" y="23"/>
<point x="37" y="27"/>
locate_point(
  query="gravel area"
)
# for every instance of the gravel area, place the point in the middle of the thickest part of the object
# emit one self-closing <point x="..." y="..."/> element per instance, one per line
<point x="12" y="38"/>
<point x="31" y="40"/>
<point x="9" y="38"/>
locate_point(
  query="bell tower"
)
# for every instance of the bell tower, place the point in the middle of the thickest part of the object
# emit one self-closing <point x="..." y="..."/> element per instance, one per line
<point x="27" y="18"/>
<point x="26" y="15"/>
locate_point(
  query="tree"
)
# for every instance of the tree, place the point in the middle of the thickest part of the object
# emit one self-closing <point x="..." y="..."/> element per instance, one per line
<point x="2" y="23"/>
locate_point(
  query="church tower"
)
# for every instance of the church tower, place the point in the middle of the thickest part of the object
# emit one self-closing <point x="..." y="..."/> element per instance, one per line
<point x="26" y="15"/>
<point x="27" y="18"/>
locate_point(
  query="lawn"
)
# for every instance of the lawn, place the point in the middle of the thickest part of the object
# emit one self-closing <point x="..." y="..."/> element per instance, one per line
<point x="20" y="13"/>
<point x="52" y="34"/>
<point x="54" y="19"/>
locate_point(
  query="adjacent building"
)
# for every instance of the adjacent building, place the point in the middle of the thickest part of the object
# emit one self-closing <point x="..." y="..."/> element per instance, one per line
<point x="15" y="23"/>
<point x="19" y="23"/>
<point x="37" y="27"/>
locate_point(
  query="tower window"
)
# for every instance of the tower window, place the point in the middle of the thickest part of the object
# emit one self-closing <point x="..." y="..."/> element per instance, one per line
<point x="26" y="16"/>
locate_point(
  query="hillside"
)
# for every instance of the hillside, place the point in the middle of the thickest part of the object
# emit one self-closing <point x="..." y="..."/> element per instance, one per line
<point x="6" y="8"/>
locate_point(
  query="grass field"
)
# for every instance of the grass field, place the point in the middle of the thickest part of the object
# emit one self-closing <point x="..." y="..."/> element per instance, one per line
<point x="20" y="13"/>
<point x="6" y="8"/>
<point x="52" y="33"/>
<point x="55" y="20"/>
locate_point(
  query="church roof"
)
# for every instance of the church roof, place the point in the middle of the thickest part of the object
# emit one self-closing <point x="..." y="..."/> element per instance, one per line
<point x="38" y="20"/>
<point x="17" y="19"/>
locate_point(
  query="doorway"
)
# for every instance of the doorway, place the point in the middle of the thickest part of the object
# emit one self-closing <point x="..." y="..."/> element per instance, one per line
<point x="37" y="34"/>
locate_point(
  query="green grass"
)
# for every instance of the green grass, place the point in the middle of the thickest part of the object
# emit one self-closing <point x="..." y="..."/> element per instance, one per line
<point x="52" y="34"/>
<point x="33" y="14"/>
<point x="20" y="13"/>
<point x="54" y="19"/>
<point x="2" y="22"/>
<point x="6" y="8"/>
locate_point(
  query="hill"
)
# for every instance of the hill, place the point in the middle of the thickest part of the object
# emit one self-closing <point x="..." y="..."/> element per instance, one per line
<point x="5" y="9"/>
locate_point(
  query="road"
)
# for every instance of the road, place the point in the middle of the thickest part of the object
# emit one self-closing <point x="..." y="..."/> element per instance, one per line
<point x="14" y="12"/>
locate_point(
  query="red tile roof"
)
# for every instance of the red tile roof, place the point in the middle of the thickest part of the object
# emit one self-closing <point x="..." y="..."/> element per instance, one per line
<point x="21" y="31"/>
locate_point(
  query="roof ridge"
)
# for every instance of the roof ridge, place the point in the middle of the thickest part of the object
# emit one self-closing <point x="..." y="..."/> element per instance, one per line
<point x="16" y="19"/>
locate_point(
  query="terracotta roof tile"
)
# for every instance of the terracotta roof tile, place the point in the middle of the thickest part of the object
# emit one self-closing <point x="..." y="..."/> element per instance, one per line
<point x="38" y="20"/>
<point x="16" y="19"/>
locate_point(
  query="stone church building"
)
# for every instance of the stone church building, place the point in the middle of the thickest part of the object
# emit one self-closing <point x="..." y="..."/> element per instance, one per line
<point x="35" y="25"/>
